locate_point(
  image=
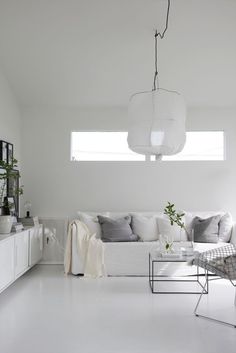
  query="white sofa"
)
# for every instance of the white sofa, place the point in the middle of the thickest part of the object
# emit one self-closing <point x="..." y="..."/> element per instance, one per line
<point x="131" y="258"/>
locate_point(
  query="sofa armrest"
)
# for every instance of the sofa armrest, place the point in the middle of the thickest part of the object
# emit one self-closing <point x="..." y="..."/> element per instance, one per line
<point x="233" y="235"/>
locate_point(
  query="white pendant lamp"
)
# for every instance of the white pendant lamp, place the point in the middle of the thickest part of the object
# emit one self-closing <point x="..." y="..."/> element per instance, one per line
<point x="157" y="117"/>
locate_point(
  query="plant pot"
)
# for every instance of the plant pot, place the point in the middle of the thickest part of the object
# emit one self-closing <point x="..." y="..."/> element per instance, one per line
<point x="4" y="211"/>
<point x="5" y="224"/>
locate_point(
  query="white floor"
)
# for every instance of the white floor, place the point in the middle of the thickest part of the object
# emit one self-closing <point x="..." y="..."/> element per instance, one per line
<point x="46" y="312"/>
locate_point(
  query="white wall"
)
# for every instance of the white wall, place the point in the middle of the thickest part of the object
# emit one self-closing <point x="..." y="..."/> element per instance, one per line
<point x="58" y="187"/>
<point x="9" y="116"/>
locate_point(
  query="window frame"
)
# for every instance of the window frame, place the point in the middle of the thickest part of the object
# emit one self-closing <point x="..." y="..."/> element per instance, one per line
<point x="147" y="159"/>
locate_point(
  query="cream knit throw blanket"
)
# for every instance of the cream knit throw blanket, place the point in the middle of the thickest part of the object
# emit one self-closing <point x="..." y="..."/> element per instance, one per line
<point x="89" y="248"/>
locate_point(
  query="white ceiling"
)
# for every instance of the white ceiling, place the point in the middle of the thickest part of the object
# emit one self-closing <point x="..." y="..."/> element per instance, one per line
<point x="99" y="52"/>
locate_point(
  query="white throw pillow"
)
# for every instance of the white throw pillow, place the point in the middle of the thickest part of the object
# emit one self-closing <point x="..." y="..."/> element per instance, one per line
<point x="145" y="227"/>
<point x="225" y="227"/>
<point x="91" y="222"/>
<point x="189" y="217"/>
<point x="172" y="232"/>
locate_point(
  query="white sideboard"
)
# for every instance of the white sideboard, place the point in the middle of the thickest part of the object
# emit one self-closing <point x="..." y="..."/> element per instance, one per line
<point x="18" y="253"/>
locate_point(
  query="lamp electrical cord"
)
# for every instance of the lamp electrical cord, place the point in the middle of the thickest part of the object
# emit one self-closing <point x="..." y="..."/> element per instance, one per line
<point x="161" y="35"/>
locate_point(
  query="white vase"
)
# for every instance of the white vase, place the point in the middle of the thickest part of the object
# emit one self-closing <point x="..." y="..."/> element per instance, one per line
<point x="166" y="244"/>
<point x="5" y="224"/>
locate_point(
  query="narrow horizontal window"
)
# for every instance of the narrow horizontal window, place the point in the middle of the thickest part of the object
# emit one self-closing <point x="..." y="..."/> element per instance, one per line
<point x="112" y="146"/>
<point x="201" y="146"/>
<point x="102" y="146"/>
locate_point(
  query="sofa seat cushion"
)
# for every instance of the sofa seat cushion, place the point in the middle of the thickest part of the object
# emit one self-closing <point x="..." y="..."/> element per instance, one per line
<point x="124" y="259"/>
<point x="131" y="259"/>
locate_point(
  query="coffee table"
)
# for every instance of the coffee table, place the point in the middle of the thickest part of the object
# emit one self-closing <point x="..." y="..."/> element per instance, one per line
<point x="156" y="259"/>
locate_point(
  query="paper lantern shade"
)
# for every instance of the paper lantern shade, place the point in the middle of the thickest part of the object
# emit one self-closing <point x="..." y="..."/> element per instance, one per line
<point x="157" y="123"/>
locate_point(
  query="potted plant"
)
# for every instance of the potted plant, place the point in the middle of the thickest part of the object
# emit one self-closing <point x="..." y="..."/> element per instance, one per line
<point x="7" y="172"/>
<point x="174" y="218"/>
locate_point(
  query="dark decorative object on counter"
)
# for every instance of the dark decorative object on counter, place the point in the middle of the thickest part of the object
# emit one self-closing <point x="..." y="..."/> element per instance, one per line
<point x="6" y="152"/>
<point x="14" y="189"/>
<point x="3" y="151"/>
<point x="27" y="206"/>
<point x="9" y="187"/>
<point x="10" y="155"/>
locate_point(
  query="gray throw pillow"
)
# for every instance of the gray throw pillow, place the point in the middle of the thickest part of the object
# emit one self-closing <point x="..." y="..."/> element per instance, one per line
<point x="206" y="230"/>
<point x="116" y="230"/>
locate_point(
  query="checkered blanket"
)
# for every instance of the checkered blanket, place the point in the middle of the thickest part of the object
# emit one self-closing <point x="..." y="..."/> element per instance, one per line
<point x="220" y="261"/>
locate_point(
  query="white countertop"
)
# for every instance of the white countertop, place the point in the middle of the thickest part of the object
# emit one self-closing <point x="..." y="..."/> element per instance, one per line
<point x="12" y="234"/>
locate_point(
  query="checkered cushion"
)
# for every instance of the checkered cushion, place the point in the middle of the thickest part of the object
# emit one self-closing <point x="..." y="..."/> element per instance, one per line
<point x="220" y="261"/>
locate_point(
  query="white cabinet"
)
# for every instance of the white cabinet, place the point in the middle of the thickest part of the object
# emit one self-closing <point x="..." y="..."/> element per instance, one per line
<point x="6" y="262"/>
<point x="21" y="252"/>
<point x="18" y="252"/>
<point x="35" y="245"/>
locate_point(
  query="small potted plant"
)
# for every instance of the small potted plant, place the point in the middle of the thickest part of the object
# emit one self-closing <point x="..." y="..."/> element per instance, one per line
<point x="7" y="172"/>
